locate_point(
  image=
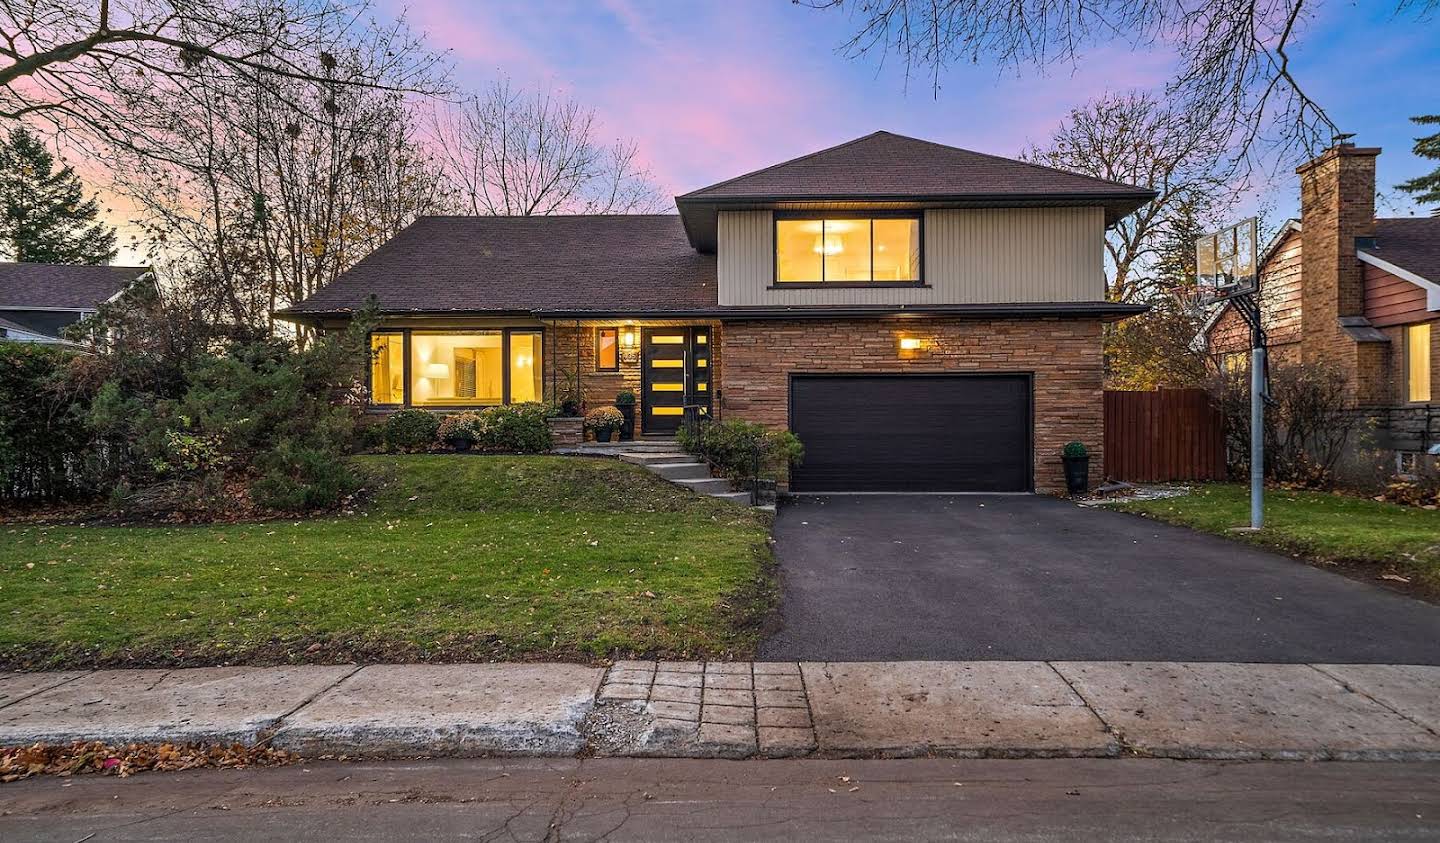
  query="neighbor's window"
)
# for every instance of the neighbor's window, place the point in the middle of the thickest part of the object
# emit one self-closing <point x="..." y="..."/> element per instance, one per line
<point x="1234" y="362"/>
<point x="1417" y="361"/>
<point x="607" y="349"/>
<point x="861" y="250"/>
<point x="387" y="368"/>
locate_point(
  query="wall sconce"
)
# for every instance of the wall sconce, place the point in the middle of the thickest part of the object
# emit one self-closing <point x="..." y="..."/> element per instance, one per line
<point x="911" y="344"/>
<point x="627" y="338"/>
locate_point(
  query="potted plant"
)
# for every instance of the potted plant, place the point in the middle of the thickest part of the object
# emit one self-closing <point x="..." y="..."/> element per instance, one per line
<point x="625" y="403"/>
<point x="603" y="422"/>
<point x="1077" y="467"/>
<point x="459" y="431"/>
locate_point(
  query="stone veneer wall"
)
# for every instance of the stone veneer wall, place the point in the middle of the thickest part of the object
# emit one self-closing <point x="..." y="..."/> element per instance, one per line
<point x="1065" y="355"/>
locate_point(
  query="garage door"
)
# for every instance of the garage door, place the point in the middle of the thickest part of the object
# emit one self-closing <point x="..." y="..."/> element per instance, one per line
<point x="912" y="433"/>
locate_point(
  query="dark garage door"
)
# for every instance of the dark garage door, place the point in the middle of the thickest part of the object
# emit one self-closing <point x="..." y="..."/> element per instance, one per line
<point x="912" y="433"/>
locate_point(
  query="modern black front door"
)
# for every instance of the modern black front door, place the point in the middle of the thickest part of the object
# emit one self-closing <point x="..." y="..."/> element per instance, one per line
<point x="912" y="433"/>
<point x="675" y="373"/>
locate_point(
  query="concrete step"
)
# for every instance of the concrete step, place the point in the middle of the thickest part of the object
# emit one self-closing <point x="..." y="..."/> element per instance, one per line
<point x="657" y="458"/>
<point x="707" y="486"/>
<point x="742" y="498"/>
<point x="681" y="470"/>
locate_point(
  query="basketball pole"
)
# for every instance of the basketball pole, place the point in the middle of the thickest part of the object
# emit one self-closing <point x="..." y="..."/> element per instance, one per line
<point x="1257" y="430"/>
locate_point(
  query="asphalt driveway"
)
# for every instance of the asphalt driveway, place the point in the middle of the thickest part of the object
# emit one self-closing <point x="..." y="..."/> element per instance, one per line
<point x="1024" y="577"/>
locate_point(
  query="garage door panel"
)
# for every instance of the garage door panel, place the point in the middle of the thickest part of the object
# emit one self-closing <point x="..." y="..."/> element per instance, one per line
<point x="945" y="433"/>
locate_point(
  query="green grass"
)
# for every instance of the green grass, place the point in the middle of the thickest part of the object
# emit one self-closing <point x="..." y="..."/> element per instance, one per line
<point x="1321" y="527"/>
<point x="449" y="558"/>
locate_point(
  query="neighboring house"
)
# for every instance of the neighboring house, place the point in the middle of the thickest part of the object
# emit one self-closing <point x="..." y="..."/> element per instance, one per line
<point x="924" y="318"/>
<point x="38" y="300"/>
<point x="1362" y="294"/>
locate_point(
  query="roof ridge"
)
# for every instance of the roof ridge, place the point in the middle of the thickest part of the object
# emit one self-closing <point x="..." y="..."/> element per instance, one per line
<point x="796" y="160"/>
<point x="1045" y="167"/>
<point x="536" y="216"/>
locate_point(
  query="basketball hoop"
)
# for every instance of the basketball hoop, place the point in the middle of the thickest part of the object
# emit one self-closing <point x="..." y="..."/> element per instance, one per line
<point x="1227" y="270"/>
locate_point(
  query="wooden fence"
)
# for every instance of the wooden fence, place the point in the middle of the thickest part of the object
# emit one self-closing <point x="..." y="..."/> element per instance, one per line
<point x="1168" y="434"/>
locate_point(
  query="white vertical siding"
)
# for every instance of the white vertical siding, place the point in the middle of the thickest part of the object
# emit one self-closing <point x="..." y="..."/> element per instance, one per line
<point x="972" y="256"/>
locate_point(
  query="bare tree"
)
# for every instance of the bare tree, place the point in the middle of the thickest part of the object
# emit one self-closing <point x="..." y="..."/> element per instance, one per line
<point x="1234" y="54"/>
<point x="1136" y="139"/>
<point x="512" y="154"/>
<point x="83" y="67"/>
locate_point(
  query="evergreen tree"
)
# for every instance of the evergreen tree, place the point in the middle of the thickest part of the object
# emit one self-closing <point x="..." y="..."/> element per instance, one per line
<point x="1427" y="187"/>
<point x="44" y="215"/>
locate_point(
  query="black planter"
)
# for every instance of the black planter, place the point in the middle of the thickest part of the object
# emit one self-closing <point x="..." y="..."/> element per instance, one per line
<point x="603" y="435"/>
<point x="1077" y="474"/>
<point x="461" y="444"/>
<point x="627" y="429"/>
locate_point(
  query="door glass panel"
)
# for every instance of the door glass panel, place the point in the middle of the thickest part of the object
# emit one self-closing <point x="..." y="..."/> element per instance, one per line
<point x="459" y="369"/>
<point x="526" y="381"/>
<point x="387" y="369"/>
<point x="667" y="364"/>
<point x="702" y="362"/>
<point x="667" y="387"/>
<point x="846" y="247"/>
<point x="668" y="339"/>
<point x="700" y="339"/>
<point x="667" y="411"/>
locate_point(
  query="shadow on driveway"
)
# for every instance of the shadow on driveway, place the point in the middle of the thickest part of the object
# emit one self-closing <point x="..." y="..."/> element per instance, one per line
<point x="1027" y="577"/>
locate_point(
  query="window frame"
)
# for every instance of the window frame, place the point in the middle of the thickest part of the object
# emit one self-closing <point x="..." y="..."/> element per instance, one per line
<point x="1410" y="331"/>
<point x="404" y="368"/>
<point x="871" y="216"/>
<point x="408" y="399"/>
<point x="616" y="332"/>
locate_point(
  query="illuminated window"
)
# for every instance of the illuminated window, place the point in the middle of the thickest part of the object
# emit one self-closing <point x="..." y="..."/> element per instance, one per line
<point x="1235" y="362"/>
<point x="1417" y="362"/>
<point x="607" y="349"/>
<point x="527" y="382"/>
<point x="387" y="368"/>
<point x="847" y="250"/>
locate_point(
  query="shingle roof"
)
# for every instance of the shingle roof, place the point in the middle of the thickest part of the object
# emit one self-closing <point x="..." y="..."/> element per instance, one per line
<point x="885" y="167"/>
<point x="40" y="285"/>
<point x="1411" y="243"/>
<point x="884" y="164"/>
<point x="635" y="263"/>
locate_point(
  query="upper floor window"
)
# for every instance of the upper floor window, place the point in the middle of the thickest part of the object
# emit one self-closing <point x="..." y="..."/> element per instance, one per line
<point x="854" y="250"/>
<point x="1417" y="362"/>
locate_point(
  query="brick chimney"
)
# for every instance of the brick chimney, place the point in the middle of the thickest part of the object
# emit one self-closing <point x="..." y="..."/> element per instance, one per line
<point x="1337" y="205"/>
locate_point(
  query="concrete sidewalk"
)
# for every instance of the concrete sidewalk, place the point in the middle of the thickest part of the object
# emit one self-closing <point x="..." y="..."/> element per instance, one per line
<point x="742" y="709"/>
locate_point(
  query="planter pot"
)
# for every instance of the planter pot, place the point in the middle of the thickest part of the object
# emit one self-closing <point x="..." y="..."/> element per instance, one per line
<point x="627" y="428"/>
<point x="604" y="435"/>
<point x="1077" y="474"/>
<point x="461" y="445"/>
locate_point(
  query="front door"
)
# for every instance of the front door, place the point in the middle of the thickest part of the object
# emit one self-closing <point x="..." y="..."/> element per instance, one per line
<point x="675" y="373"/>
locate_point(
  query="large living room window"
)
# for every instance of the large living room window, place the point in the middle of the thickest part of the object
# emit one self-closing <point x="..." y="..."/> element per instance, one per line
<point x="847" y="250"/>
<point x="466" y="368"/>
<point x="1417" y="362"/>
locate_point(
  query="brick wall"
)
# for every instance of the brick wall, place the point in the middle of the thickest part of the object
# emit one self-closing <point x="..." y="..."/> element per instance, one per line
<point x="1065" y="356"/>
<point x="599" y="388"/>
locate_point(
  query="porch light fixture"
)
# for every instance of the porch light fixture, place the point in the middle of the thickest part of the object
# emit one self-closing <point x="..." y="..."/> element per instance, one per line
<point x="911" y="343"/>
<point x="627" y="337"/>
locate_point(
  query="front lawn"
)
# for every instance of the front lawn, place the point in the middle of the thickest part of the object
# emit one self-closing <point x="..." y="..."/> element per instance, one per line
<point x="1366" y="536"/>
<point x="449" y="558"/>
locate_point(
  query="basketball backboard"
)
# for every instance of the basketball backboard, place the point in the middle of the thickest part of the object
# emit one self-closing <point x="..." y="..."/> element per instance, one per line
<point x="1225" y="263"/>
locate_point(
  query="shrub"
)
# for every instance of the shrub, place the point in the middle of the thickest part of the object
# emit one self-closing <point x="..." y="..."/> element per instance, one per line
<point x="602" y="419"/>
<point x="1307" y="422"/>
<point x="735" y="447"/>
<point x="625" y="398"/>
<point x="300" y="479"/>
<point x="459" y="429"/>
<point x="1075" y="450"/>
<point x="516" y="428"/>
<point x="45" y="443"/>
<point x="410" y="430"/>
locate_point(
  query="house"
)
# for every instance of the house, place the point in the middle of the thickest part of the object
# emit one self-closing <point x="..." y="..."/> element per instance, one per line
<point x="38" y="300"/>
<point x="924" y="318"/>
<point x="1342" y="287"/>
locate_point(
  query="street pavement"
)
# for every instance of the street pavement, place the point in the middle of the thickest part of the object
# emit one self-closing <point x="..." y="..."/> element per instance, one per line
<point x="668" y="799"/>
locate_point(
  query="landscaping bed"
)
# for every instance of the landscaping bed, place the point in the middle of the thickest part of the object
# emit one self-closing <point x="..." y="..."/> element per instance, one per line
<point x="445" y="558"/>
<point x="1395" y="545"/>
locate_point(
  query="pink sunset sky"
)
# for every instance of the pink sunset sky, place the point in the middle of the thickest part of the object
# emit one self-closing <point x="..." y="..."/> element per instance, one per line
<point x="712" y="90"/>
